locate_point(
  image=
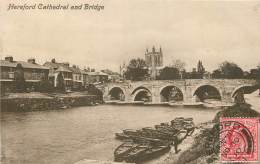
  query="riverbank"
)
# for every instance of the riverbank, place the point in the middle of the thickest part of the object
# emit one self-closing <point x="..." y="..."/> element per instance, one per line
<point x="202" y="146"/>
<point x="205" y="104"/>
<point x="36" y="101"/>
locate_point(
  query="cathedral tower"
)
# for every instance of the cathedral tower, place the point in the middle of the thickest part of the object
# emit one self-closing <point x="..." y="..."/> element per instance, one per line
<point x="154" y="60"/>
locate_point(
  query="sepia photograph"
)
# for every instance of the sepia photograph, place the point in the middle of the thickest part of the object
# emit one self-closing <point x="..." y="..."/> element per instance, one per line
<point x="129" y="81"/>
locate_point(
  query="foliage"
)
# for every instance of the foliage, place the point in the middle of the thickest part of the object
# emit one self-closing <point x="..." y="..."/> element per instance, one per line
<point x="216" y="74"/>
<point x="228" y="70"/>
<point x="136" y="70"/>
<point x="60" y="83"/>
<point x="180" y="65"/>
<point x="169" y="73"/>
<point x="92" y="89"/>
<point x="237" y="110"/>
<point x="45" y="86"/>
<point x="19" y="78"/>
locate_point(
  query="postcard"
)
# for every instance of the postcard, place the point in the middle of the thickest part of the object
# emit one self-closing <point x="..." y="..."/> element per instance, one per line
<point x="129" y="81"/>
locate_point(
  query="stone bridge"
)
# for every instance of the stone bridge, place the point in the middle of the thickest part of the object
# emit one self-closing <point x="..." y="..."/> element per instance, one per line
<point x="186" y="90"/>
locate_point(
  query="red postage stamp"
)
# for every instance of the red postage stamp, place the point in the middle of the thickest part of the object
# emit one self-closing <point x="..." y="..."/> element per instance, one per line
<point x="239" y="139"/>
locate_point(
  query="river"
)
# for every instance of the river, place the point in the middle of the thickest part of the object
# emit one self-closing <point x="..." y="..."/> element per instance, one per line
<point x="67" y="136"/>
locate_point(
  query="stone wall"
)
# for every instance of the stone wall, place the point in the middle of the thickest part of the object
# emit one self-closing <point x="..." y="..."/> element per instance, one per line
<point x="37" y="104"/>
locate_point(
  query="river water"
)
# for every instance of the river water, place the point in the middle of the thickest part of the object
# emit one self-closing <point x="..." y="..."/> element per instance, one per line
<point x="67" y="136"/>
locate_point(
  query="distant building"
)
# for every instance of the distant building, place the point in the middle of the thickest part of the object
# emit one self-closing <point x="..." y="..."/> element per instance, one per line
<point x="200" y="68"/>
<point x="154" y="61"/>
<point x="77" y="77"/>
<point x="97" y="77"/>
<point x="122" y="70"/>
<point x="32" y="72"/>
<point x="112" y="76"/>
<point x="60" y="68"/>
<point x="85" y="77"/>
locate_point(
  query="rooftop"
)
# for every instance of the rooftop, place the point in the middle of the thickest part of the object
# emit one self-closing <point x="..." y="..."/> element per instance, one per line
<point x="5" y="63"/>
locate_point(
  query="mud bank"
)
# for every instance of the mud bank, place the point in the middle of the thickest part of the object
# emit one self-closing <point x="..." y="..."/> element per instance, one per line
<point x="39" y="103"/>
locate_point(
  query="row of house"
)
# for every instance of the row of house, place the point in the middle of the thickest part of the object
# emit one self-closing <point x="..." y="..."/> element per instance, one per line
<point x="73" y="77"/>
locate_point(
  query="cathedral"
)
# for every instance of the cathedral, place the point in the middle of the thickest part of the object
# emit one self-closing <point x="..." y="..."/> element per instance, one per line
<point x="154" y="61"/>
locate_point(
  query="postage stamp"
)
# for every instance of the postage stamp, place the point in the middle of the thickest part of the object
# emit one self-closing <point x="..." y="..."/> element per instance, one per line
<point x="239" y="139"/>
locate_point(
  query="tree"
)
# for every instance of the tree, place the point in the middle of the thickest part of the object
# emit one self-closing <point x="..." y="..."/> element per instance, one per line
<point x="45" y="86"/>
<point x="216" y="74"/>
<point x="169" y="73"/>
<point x="60" y="83"/>
<point x="229" y="70"/>
<point x="136" y="70"/>
<point x="19" y="78"/>
<point x="180" y="65"/>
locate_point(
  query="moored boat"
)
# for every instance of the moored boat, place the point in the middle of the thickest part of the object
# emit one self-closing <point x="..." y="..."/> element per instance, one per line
<point x="153" y="152"/>
<point x="122" y="136"/>
<point x="135" y="153"/>
<point x="122" y="150"/>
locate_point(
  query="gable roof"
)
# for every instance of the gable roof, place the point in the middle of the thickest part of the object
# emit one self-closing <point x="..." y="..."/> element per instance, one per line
<point x="63" y="69"/>
<point x="59" y="66"/>
<point x="4" y="63"/>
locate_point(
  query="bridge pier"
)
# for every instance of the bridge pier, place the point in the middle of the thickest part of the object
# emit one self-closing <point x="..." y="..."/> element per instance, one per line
<point x="225" y="87"/>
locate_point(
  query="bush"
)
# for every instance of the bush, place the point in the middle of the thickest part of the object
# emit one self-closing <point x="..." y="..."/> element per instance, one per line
<point x="45" y="86"/>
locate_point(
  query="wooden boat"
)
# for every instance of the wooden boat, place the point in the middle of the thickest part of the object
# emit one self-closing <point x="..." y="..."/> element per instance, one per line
<point x="135" y="153"/>
<point x="190" y="128"/>
<point x="144" y="152"/>
<point x="130" y="132"/>
<point x="188" y="119"/>
<point x="122" y="136"/>
<point x="153" y="152"/>
<point x="122" y="150"/>
<point x="181" y="135"/>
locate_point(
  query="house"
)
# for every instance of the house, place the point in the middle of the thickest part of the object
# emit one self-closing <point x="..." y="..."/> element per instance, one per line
<point x="97" y="77"/>
<point x="112" y="76"/>
<point x="32" y="73"/>
<point x="62" y="69"/>
<point x="77" y="77"/>
<point x="85" y="77"/>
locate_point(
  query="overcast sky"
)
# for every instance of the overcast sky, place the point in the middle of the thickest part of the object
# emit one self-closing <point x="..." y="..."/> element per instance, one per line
<point x="207" y="30"/>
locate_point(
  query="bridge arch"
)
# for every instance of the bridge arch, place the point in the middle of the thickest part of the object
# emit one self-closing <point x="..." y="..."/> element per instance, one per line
<point x="142" y="94"/>
<point x="244" y="89"/>
<point x="116" y="93"/>
<point x="207" y="91"/>
<point x="171" y="93"/>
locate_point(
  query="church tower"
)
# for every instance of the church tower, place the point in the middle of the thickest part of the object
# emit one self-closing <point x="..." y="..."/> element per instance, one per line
<point x="154" y="60"/>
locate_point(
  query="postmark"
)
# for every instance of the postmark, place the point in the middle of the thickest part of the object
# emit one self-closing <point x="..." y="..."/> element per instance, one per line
<point x="238" y="139"/>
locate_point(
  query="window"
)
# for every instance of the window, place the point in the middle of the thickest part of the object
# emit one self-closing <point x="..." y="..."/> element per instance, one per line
<point x="11" y="75"/>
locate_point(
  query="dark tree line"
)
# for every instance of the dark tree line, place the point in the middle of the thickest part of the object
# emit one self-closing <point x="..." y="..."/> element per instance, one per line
<point x="228" y="70"/>
<point x="137" y="70"/>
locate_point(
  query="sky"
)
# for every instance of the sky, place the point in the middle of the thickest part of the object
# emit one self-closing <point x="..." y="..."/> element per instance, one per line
<point x="211" y="31"/>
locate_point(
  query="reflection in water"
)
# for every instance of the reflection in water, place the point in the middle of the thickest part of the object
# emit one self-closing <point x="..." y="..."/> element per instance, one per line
<point x="67" y="136"/>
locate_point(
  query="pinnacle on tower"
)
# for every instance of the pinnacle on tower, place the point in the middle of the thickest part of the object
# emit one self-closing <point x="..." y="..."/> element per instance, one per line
<point x="153" y="49"/>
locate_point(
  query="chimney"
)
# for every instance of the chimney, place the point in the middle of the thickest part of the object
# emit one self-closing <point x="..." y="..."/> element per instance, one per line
<point x="31" y="60"/>
<point x="9" y="58"/>
<point x="66" y="64"/>
<point x="74" y="66"/>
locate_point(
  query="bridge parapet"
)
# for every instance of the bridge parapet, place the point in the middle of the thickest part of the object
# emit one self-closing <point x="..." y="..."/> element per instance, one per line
<point x="188" y="87"/>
